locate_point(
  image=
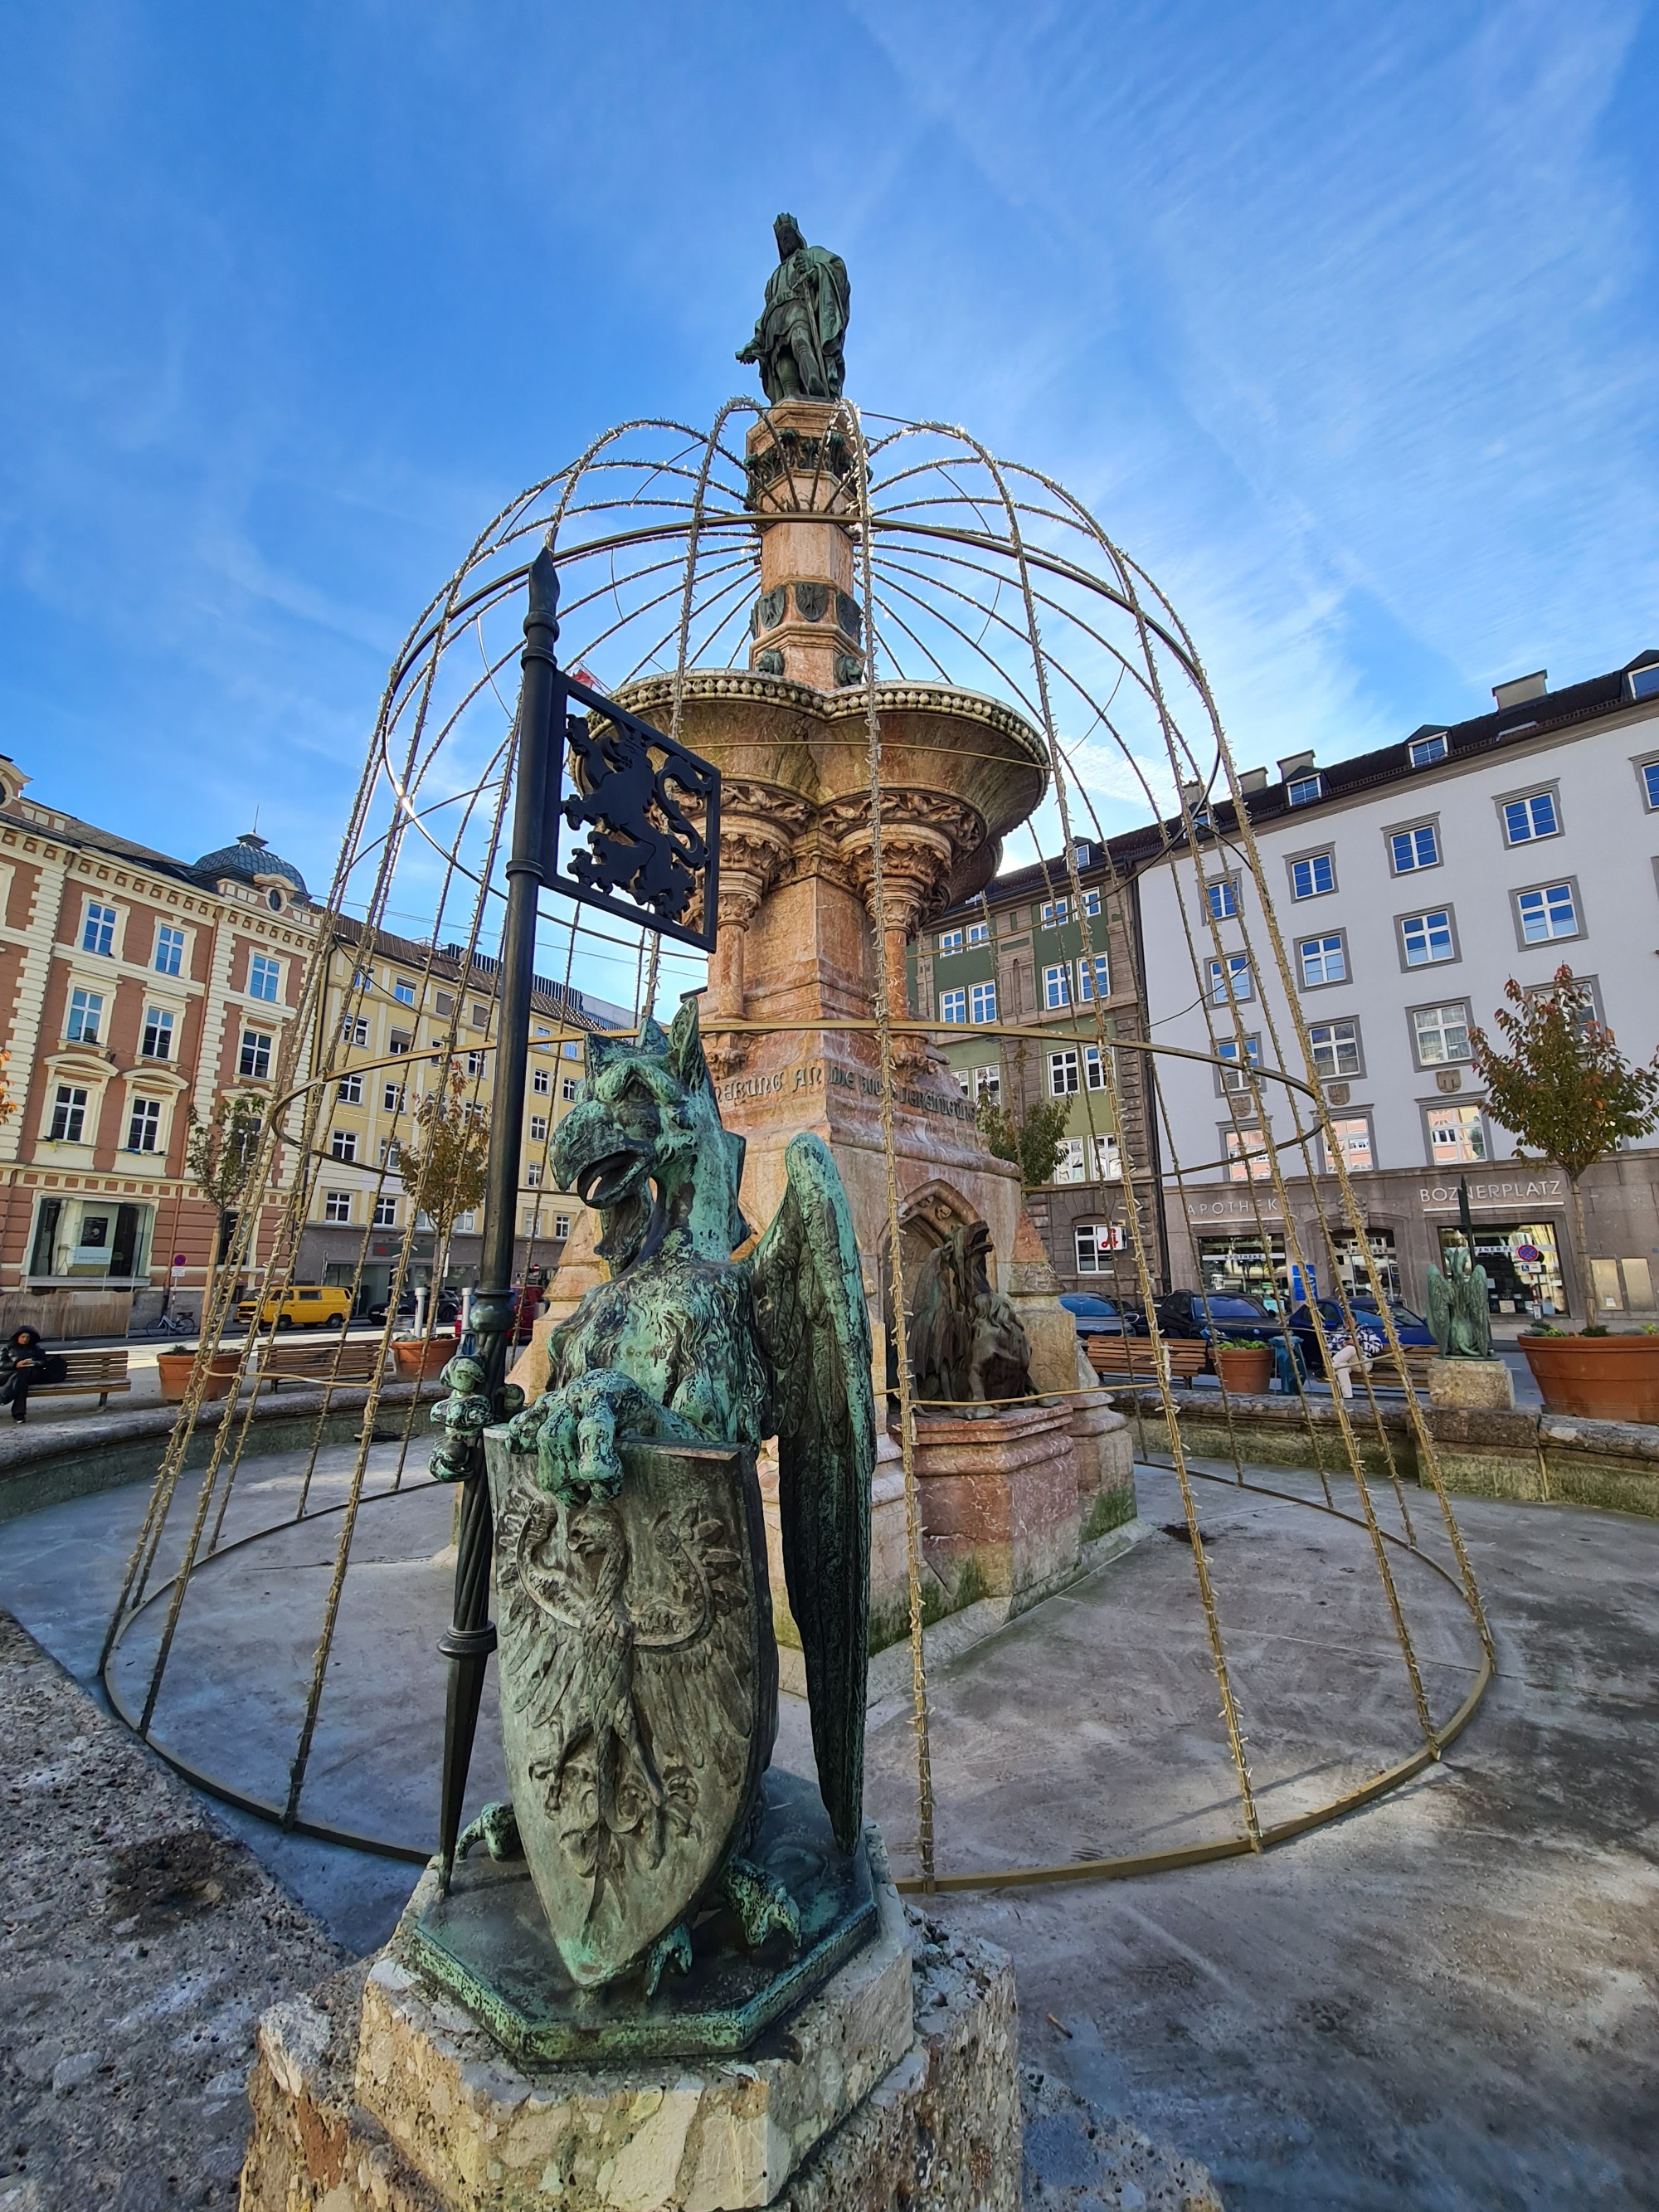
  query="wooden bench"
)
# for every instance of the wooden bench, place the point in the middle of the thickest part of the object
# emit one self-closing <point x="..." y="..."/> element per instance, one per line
<point x="106" y="1372"/>
<point x="1417" y="1358"/>
<point x="359" y="1362"/>
<point x="1132" y="1356"/>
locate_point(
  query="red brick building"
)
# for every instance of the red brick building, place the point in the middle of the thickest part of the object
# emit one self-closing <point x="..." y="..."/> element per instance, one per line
<point x="131" y="984"/>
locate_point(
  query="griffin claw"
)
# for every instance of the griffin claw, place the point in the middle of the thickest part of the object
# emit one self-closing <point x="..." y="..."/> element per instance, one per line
<point x="497" y="1829"/>
<point x="763" y="1907"/>
<point x="673" y="1949"/>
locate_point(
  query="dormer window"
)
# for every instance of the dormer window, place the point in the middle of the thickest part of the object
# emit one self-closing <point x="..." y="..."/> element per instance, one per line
<point x="274" y="901"/>
<point x="1303" y="790"/>
<point x="1423" y="750"/>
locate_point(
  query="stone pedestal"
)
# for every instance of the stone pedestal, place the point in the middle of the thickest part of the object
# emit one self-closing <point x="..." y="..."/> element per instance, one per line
<point x="894" y="2084"/>
<point x="1482" y="1385"/>
<point x="999" y="1511"/>
<point x="1103" y="1456"/>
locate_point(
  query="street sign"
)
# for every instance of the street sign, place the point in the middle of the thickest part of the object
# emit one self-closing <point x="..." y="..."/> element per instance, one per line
<point x="178" y="1259"/>
<point x="1528" y="1254"/>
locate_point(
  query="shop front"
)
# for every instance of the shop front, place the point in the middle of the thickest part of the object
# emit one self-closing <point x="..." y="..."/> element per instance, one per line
<point x="86" y="1256"/>
<point x="1522" y="1263"/>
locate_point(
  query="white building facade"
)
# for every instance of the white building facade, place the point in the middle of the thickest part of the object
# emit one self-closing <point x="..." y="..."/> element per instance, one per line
<point x="1410" y="885"/>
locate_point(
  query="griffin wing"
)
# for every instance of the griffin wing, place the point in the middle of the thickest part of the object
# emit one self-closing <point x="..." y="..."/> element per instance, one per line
<point x="1439" y="1304"/>
<point x="814" y="1321"/>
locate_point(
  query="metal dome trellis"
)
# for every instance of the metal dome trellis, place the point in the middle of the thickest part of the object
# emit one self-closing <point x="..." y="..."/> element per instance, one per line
<point x="973" y="576"/>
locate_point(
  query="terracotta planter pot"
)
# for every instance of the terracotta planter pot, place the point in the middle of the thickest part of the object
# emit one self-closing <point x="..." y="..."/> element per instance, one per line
<point x="174" y="1370"/>
<point x="416" y="1360"/>
<point x="1601" y="1378"/>
<point x="1246" y="1372"/>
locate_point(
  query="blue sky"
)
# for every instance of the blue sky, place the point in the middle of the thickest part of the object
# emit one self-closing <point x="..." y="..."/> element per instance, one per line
<point x="1344" y="319"/>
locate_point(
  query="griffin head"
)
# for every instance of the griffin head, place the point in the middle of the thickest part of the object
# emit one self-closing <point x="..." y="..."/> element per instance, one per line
<point x="644" y="1145"/>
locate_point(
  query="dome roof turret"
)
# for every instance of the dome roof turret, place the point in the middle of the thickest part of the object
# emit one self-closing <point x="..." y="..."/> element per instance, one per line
<point x="251" y="861"/>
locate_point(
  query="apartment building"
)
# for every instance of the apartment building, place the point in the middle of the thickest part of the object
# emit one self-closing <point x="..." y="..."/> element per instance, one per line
<point x="392" y="1001"/>
<point x="1013" y="955"/>
<point x="1410" y="885"/>
<point x="132" y="985"/>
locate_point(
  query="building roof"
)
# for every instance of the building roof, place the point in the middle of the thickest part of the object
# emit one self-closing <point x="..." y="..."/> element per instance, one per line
<point x="1545" y="712"/>
<point x="250" y="861"/>
<point x="449" y="963"/>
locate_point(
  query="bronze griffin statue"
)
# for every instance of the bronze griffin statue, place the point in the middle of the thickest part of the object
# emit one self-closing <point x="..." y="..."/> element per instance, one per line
<point x="966" y="1340"/>
<point x="639" y="1672"/>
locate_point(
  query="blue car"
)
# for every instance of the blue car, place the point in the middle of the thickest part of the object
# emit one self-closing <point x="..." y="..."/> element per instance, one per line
<point x="1411" y="1328"/>
<point x="1096" y="1316"/>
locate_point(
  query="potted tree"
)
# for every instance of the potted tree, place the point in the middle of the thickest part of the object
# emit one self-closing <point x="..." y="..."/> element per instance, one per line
<point x="443" y="1171"/>
<point x="219" y="1154"/>
<point x="1569" y="1096"/>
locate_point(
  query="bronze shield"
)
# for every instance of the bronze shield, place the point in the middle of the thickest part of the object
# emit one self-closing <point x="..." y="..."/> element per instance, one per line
<point x="639" y="1688"/>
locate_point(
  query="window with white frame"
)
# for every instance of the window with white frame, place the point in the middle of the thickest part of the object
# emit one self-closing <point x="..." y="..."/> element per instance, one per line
<point x="1091" y="904"/>
<point x="1100" y="981"/>
<point x="466" y="1224"/>
<point x="1427" y="937"/>
<point x="402" y="991"/>
<point x="86" y="1017"/>
<point x="1231" y="1075"/>
<point x="979" y="933"/>
<point x="1353" y="1137"/>
<point x="1457" y="1135"/>
<point x="156" y="1043"/>
<point x="386" y="1210"/>
<point x="1442" y="1033"/>
<point x="530" y="1219"/>
<point x="1057" y="986"/>
<point x="1336" y="1048"/>
<point x="264" y="976"/>
<point x="1313" y="875"/>
<point x="1094" y="1078"/>
<point x="169" y="951"/>
<point x="532" y="1175"/>
<point x="1072" y="1164"/>
<point x="343" y="1145"/>
<point x="98" y="930"/>
<point x="1550" y="911"/>
<point x="1246" y="1150"/>
<point x="363" y="979"/>
<point x="987" y="1085"/>
<point x="1648" y="772"/>
<point x="1231" y="979"/>
<point x="349" y="1090"/>
<point x="68" y="1114"/>
<point x="949" y="940"/>
<point x="1322" y="960"/>
<point x="560" y="1225"/>
<point x="541" y="1081"/>
<point x="145" y="1125"/>
<point x="399" y="1041"/>
<point x="390" y="1153"/>
<point x="354" y="1030"/>
<point x="982" y="1002"/>
<point x="1056" y="911"/>
<point x="1411" y="849"/>
<point x="253" y="1062"/>
<point x="1423" y="750"/>
<point x="336" y="1205"/>
<point x="1222" y="898"/>
<point x="475" y="1063"/>
<point x="953" y="1005"/>
<point x="393" y="1097"/>
<point x="1303" y="790"/>
<point x="1109" y="1162"/>
<point x="1526" y="820"/>
<point x="1094" y="1241"/>
<point x="479" y="1016"/>
<point x="1064" y="1075"/>
<point x="568" y="1088"/>
<point x="538" y="1129"/>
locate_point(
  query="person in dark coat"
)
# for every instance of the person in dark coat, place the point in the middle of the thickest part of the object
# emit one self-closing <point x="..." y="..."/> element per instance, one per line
<point x="23" y="1364"/>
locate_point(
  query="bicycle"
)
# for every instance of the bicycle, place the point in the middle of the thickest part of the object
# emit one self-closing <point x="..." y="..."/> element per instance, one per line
<point x="176" y="1324"/>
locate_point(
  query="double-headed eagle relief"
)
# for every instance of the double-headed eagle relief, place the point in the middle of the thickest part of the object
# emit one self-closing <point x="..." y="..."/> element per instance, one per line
<point x="639" y="1671"/>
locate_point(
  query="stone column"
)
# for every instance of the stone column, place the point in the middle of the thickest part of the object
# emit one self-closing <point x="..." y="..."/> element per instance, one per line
<point x="757" y="828"/>
<point x="807" y="623"/>
<point x="915" y="869"/>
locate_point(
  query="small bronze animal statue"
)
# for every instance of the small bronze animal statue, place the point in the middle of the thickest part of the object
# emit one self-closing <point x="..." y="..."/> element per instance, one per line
<point x="639" y="1673"/>
<point x="965" y="1339"/>
<point x="1459" y="1308"/>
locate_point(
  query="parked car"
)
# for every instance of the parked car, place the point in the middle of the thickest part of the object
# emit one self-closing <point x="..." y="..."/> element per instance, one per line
<point x="449" y="1307"/>
<point x="1225" y="1314"/>
<point x="1093" y="1317"/>
<point x="302" y="1305"/>
<point x="1413" y="1328"/>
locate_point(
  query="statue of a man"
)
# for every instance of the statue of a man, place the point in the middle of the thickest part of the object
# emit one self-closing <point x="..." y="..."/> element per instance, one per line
<point x="798" y="340"/>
